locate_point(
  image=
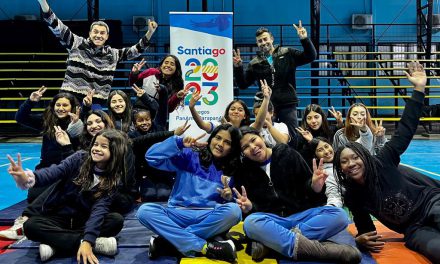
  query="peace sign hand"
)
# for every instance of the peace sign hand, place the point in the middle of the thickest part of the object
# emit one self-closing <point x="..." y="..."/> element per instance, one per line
<point x="337" y="115"/>
<point x="181" y="129"/>
<point x="194" y="98"/>
<point x="305" y="134"/>
<point x="88" y="99"/>
<point x="265" y="88"/>
<point x="61" y="136"/>
<point x="36" y="96"/>
<point x="139" y="91"/>
<point x="380" y="130"/>
<point x="302" y="32"/>
<point x="74" y="117"/>
<point x="319" y="176"/>
<point x="16" y="170"/>
<point x="242" y="200"/>
<point x="226" y="192"/>
<point x="360" y="124"/>
<point x="190" y="142"/>
<point x="237" y="58"/>
<point x="138" y="66"/>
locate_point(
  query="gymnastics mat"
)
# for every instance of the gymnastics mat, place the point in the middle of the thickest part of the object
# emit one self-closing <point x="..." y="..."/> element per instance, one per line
<point x="9" y="214"/>
<point x="394" y="250"/>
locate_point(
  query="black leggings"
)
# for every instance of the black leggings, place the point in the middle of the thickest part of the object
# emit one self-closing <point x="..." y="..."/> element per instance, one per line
<point x="425" y="237"/>
<point x="64" y="234"/>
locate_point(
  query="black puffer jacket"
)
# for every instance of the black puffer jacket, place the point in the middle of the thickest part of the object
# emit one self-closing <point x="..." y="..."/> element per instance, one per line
<point x="290" y="191"/>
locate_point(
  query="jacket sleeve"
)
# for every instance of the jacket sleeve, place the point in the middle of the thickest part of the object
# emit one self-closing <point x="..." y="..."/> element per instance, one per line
<point x="68" y="168"/>
<point x="146" y="141"/>
<point x="169" y="155"/>
<point x="173" y="102"/>
<point x="133" y="51"/>
<point x="244" y="80"/>
<point x="68" y="39"/>
<point x="362" y="220"/>
<point x="25" y="117"/>
<point x="331" y="190"/>
<point x="366" y="140"/>
<point x="93" y="225"/>
<point x="307" y="55"/>
<point x="405" y="131"/>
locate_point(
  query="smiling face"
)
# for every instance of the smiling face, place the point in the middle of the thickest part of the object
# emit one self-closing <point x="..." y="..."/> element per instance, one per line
<point x="352" y="166"/>
<point x="168" y="67"/>
<point x="265" y="42"/>
<point x="94" y="124"/>
<point x="324" y="151"/>
<point x="100" y="151"/>
<point x="220" y="144"/>
<point x="117" y="104"/>
<point x="236" y="114"/>
<point x="254" y="148"/>
<point x="62" y="107"/>
<point x="358" y="114"/>
<point x="143" y="121"/>
<point x="314" y="120"/>
<point x="99" y="35"/>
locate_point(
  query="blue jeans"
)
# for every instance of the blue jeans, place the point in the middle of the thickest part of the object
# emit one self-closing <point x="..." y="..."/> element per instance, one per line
<point x="274" y="231"/>
<point x="188" y="229"/>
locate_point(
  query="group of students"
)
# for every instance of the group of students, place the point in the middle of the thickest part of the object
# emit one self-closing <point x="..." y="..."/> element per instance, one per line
<point x="287" y="183"/>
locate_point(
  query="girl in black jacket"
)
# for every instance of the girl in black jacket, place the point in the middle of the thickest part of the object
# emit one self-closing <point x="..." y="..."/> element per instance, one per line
<point x="404" y="200"/>
<point x="284" y="197"/>
<point x="75" y="211"/>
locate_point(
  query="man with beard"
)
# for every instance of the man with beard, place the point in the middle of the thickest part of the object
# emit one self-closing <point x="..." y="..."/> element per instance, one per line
<point x="277" y="65"/>
<point x="91" y="64"/>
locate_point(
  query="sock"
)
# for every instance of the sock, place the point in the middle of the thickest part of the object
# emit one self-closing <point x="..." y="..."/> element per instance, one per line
<point x="204" y="249"/>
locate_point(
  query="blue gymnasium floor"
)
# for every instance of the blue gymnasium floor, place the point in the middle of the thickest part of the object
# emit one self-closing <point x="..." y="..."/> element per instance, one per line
<point x="422" y="155"/>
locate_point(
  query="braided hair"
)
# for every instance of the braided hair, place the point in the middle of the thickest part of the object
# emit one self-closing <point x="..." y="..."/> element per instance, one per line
<point x="354" y="192"/>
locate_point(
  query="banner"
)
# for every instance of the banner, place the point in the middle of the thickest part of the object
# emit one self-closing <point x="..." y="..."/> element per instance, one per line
<point x="203" y="44"/>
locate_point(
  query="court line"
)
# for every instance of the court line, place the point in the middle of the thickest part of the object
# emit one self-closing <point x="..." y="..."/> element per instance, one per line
<point x="422" y="170"/>
<point x="7" y="164"/>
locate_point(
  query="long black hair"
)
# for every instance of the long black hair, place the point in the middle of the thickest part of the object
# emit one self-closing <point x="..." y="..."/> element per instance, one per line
<point x="228" y="163"/>
<point x="175" y="82"/>
<point x="247" y="120"/>
<point x="324" y="129"/>
<point x="354" y="192"/>
<point x="115" y="168"/>
<point x="50" y="119"/>
<point x="85" y="137"/>
<point x="125" y="117"/>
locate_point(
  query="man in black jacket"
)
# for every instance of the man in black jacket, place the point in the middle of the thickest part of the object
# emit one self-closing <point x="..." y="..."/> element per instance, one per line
<point x="277" y="65"/>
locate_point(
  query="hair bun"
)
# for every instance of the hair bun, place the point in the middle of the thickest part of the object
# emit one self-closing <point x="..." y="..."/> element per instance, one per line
<point x="258" y="97"/>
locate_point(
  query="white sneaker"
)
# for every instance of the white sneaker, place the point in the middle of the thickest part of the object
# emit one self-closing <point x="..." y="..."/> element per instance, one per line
<point x="46" y="252"/>
<point x="106" y="246"/>
<point x="15" y="232"/>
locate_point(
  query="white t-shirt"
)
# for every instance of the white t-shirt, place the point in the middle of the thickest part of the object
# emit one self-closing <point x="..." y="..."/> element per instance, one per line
<point x="267" y="136"/>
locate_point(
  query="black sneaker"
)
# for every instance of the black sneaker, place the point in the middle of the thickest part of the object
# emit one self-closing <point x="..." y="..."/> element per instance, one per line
<point x="221" y="250"/>
<point x="159" y="246"/>
<point x="258" y="251"/>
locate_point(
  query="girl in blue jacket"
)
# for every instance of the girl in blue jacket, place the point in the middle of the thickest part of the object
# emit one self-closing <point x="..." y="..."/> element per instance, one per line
<point x="198" y="208"/>
<point x="75" y="210"/>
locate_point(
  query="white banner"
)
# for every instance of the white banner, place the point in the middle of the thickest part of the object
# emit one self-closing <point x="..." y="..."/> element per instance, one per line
<point x="203" y="44"/>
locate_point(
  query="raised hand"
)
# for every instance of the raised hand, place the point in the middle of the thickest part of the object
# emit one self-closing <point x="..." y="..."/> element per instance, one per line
<point x="416" y="75"/>
<point x="237" y="58"/>
<point x="182" y="93"/>
<point x="152" y="26"/>
<point x="226" y="192"/>
<point x="371" y="241"/>
<point x="190" y="142"/>
<point x="302" y="32"/>
<point x="380" y="130"/>
<point x="194" y="98"/>
<point x="360" y="124"/>
<point x="61" y="136"/>
<point x="305" y="134"/>
<point x="242" y="200"/>
<point x="319" y="176"/>
<point x="337" y="115"/>
<point x="139" y="91"/>
<point x="36" y="96"/>
<point x="138" y="66"/>
<point x="181" y="129"/>
<point x="74" y="117"/>
<point x="88" y="99"/>
<point x="265" y="88"/>
<point x="16" y="170"/>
